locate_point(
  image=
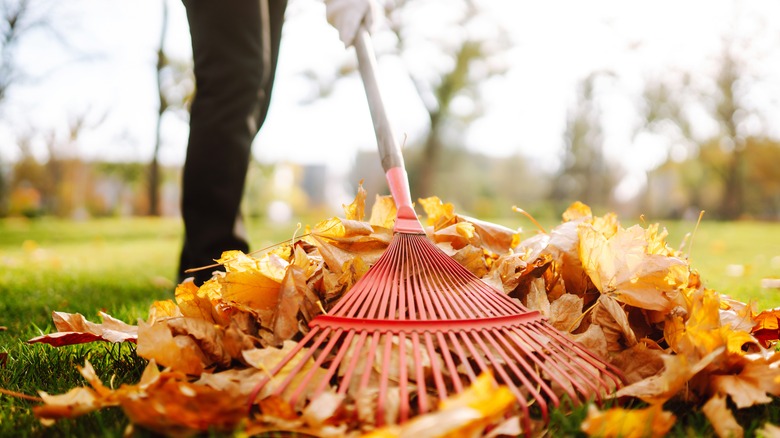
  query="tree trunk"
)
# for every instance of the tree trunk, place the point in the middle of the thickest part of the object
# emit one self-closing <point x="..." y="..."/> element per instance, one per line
<point x="732" y="203"/>
<point x="426" y="168"/>
<point x="154" y="165"/>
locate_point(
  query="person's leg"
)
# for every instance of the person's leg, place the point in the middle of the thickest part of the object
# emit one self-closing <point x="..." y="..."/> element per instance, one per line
<point x="235" y="46"/>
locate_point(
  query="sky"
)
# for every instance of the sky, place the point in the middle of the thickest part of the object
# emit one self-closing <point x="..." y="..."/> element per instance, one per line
<point x="101" y="64"/>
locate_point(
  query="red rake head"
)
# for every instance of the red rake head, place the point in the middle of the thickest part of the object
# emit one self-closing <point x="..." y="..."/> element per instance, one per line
<point x="418" y="328"/>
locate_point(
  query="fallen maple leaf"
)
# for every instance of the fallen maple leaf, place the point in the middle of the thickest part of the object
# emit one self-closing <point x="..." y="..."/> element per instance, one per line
<point x="73" y="328"/>
<point x="180" y="353"/>
<point x="622" y="267"/>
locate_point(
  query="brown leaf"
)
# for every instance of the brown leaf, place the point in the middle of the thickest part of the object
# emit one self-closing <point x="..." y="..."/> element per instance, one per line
<point x="593" y="340"/>
<point x="160" y="310"/>
<point x="639" y="362"/>
<point x="171" y="406"/>
<point x="207" y="336"/>
<point x="537" y="298"/>
<point x="291" y="299"/>
<point x="614" y="322"/>
<point x="677" y="372"/>
<point x="565" y="312"/>
<point x="563" y="249"/>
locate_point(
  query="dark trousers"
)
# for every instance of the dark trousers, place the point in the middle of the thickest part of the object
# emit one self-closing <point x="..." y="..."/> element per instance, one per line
<point x="235" y="45"/>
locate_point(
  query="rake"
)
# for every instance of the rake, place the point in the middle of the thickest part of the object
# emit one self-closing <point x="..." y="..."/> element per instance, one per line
<point x="418" y="327"/>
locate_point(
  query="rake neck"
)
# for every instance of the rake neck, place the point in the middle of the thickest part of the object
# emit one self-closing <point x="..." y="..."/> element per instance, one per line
<point x="406" y="220"/>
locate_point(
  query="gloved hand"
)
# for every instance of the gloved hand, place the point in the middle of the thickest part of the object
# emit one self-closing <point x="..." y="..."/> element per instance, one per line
<point x="347" y="16"/>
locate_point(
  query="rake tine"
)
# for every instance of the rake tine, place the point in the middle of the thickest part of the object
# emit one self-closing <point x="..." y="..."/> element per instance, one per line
<point x="334" y="366"/>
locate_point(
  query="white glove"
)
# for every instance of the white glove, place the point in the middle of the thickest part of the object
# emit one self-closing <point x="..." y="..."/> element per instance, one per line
<point x="347" y="16"/>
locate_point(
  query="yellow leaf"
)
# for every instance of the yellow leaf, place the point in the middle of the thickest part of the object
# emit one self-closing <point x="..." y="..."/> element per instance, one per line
<point x="250" y="288"/>
<point x="439" y="214"/>
<point x="383" y="212"/>
<point x="649" y="422"/>
<point x="192" y="304"/>
<point x="357" y="209"/>
<point x="621" y="267"/>
<point x="577" y="211"/>
<point x="464" y="415"/>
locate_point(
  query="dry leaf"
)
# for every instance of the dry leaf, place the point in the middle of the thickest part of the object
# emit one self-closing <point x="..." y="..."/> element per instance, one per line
<point x="677" y="372"/>
<point x="463" y="415"/>
<point x="356" y="211"/>
<point x="649" y="422"/>
<point x="566" y="312"/>
<point x="383" y="212"/>
<point x="722" y="419"/>
<point x="266" y="359"/>
<point x="621" y="267"/>
<point x="180" y="353"/>
<point x="751" y="386"/>
<point x="73" y="328"/>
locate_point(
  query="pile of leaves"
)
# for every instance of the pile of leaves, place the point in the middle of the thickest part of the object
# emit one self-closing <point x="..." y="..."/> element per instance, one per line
<point x="623" y="293"/>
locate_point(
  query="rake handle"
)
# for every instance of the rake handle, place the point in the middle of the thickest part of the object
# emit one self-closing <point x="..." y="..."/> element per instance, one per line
<point x="389" y="150"/>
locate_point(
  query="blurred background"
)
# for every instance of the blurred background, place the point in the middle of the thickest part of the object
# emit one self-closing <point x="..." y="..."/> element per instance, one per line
<point x="661" y="108"/>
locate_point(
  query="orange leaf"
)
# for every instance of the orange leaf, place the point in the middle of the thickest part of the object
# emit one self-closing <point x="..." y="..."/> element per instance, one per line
<point x="171" y="406"/>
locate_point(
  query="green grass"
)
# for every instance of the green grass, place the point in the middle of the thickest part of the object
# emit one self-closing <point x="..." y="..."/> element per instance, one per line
<point x="121" y="266"/>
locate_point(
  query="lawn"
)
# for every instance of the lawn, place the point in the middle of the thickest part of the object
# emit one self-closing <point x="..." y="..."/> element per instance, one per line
<point x="121" y="266"/>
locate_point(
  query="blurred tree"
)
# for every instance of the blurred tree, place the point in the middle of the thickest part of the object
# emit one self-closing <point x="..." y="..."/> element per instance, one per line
<point x="447" y="66"/>
<point x="175" y="88"/>
<point x="16" y="20"/>
<point x="584" y="174"/>
<point x="728" y="97"/>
